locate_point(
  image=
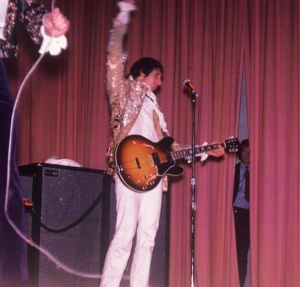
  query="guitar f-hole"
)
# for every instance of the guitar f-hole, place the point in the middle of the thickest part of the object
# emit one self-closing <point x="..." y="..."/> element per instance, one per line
<point x="138" y="163"/>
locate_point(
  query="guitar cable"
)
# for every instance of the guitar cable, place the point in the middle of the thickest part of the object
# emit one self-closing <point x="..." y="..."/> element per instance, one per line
<point x="29" y="241"/>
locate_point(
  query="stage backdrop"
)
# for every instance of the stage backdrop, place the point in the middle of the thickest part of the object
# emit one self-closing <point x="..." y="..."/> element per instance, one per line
<point x="63" y="112"/>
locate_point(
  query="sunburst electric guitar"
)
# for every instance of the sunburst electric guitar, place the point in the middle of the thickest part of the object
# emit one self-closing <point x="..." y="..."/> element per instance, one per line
<point x="141" y="163"/>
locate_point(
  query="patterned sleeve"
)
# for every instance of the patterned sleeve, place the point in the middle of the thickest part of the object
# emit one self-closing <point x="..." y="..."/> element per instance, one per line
<point x="116" y="60"/>
<point x="31" y="15"/>
<point x="116" y="57"/>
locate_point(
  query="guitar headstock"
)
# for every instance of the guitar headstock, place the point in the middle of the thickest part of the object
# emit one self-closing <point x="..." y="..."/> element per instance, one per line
<point x="232" y="144"/>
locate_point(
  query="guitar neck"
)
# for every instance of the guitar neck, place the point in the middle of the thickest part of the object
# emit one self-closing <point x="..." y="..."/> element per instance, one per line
<point x="198" y="149"/>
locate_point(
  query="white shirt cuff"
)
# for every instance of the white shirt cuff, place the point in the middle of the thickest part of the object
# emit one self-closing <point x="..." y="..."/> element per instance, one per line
<point x="125" y="9"/>
<point x="203" y="155"/>
<point x="53" y="45"/>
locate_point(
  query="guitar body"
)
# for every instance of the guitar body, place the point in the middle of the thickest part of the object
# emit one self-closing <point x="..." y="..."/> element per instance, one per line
<point x="141" y="163"/>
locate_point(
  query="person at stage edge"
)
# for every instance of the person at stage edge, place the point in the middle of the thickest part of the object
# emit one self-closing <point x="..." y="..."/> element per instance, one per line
<point x="134" y="110"/>
<point x="241" y="205"/>
<point x="47" y="30"/>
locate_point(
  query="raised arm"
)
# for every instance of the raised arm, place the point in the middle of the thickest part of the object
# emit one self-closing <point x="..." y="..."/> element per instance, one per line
<point x="116" y="57"/>
<point x="56" y="24"/>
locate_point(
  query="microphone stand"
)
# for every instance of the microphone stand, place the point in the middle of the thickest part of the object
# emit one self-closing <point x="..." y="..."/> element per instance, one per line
<point x="193" y="185"/>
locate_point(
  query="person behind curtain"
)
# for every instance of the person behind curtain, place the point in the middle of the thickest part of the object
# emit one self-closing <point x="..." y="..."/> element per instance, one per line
<point x="42" y="26"/>
<point x="241" y="205"/>
<point x="134" y="110"/>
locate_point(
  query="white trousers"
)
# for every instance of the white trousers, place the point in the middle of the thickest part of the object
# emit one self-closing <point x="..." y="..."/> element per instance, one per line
<point x="137" y="213"/>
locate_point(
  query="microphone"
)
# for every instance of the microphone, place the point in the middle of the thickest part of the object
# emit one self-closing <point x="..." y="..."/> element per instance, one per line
<point x="188" y="84"/>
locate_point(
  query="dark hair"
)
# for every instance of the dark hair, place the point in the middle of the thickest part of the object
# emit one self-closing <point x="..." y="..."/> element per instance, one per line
<point x="244" y="143"/>
<point x="145" y="65"/>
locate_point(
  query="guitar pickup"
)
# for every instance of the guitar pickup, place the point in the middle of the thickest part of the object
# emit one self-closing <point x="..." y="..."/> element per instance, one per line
<point x="155" y="158"/>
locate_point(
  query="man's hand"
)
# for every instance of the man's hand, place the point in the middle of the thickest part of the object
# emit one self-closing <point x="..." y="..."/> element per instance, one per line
<point x="56" y="24"/>
<point x="217" y="152"/>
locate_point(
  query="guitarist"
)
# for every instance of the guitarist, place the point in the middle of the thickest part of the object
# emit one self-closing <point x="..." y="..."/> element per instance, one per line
<point x="134" y="110"/>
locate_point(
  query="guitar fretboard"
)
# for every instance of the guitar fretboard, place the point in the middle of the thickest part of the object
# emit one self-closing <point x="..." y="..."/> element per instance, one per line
<point x="189" y="152"/>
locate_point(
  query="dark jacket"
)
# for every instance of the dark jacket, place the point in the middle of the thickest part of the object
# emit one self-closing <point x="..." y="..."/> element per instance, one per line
<point x="236" y="181"/>
<point x="30" y="12"/>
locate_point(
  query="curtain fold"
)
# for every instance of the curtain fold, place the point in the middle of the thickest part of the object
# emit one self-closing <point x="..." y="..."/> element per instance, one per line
<point x="63" y="111"/>
<point x="273" y="104"/>
<point x="223" y="52"/>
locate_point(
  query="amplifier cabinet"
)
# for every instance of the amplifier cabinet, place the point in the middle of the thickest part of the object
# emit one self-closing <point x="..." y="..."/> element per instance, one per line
<point x="70" y="218"/>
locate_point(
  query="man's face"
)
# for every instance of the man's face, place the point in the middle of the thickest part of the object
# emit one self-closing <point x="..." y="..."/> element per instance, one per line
<point x="153" y="79"/>
<point x="245" y="155"/>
